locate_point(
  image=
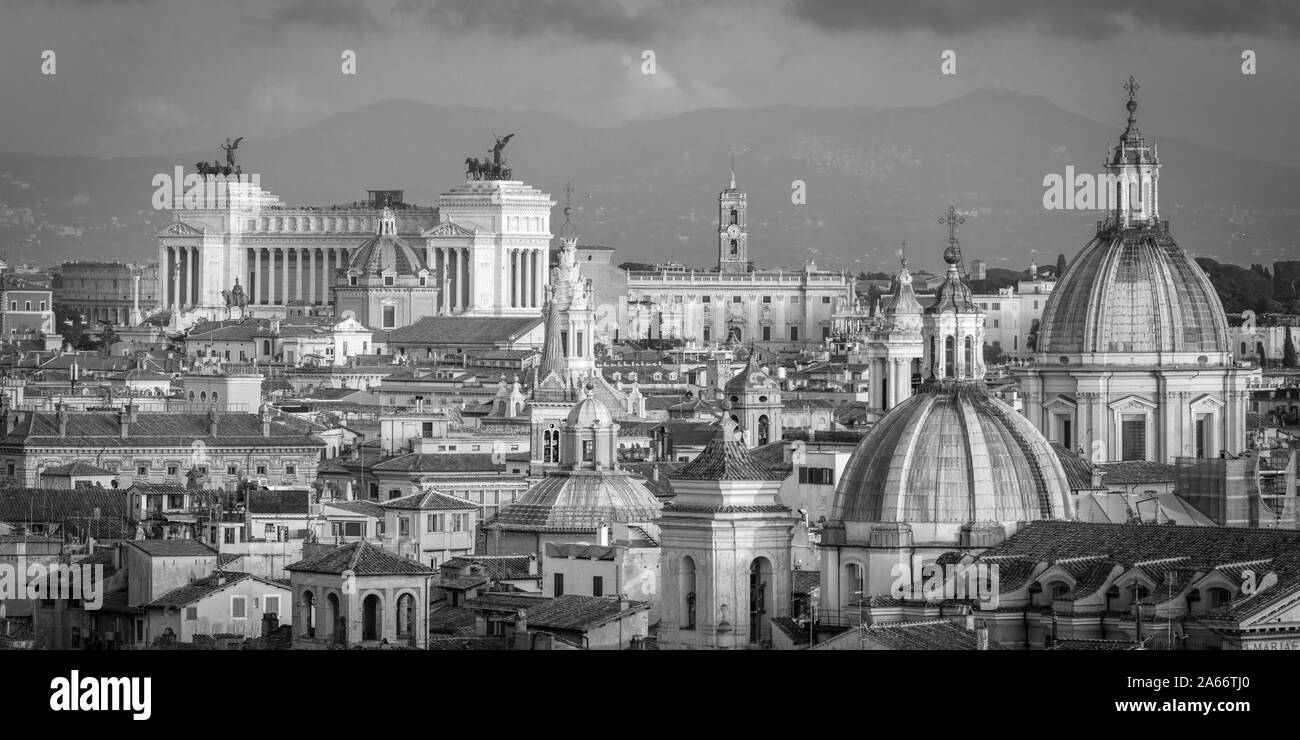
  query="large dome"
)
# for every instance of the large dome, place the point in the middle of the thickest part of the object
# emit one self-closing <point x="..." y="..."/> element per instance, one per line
<point x="953" y="454"/>
<point x="1133" y="291"/>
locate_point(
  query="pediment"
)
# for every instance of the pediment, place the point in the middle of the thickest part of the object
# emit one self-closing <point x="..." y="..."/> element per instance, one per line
<point x="1207" y="402"/>
<point x="1132" y="403"/>
<point x="179" y="228"/>
<point x="449" y="229"/>
<point x="1061" y="402"/>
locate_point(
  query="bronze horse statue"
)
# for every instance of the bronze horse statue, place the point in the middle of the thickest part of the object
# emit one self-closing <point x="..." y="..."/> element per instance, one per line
<point x="475" y="169"/>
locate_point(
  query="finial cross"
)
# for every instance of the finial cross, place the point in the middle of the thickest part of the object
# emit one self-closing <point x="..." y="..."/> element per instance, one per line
<point x="952" y="221"/>
<point x="1132" y="87"/>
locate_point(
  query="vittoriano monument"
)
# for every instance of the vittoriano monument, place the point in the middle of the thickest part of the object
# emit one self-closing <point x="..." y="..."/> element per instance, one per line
<point x="494" y="169"/>
<point x="216" y="168"/>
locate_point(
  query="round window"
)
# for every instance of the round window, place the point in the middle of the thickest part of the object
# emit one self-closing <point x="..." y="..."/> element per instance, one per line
<point x="762" y="399"/>
<point x="1065" y="360"/>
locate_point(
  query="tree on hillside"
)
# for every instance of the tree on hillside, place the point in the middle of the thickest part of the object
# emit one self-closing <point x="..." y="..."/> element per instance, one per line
<point x="1060" y="266"/>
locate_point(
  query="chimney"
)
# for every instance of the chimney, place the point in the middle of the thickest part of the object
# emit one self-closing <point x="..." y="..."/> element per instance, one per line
<point x="133" y="411"/>
<point x="532" y="564"/>
<point x="124" y="423"/>
<point x="623" y="602"/>
<point x="61" y="414"/>
<point x="654" y="472"/>
<point x="520" y="638"/>
<point x="212" y="421"/>
<point x="602" y="534"/>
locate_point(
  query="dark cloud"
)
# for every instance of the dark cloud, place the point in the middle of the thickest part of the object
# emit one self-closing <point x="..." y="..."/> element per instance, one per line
<point x="334" y="15"/>
<point x="591" y="20"/>
<point x="1079" y="18"/>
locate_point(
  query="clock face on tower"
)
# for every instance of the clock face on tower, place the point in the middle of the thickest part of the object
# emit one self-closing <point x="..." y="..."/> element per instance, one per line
<point x="733" y="231"/>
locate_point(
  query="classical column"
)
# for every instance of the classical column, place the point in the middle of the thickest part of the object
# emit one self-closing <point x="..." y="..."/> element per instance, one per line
<point x="284" y="276"/>
<point x="526" y="277"/>
<point x="515" y="283"/>
<point x="297" y="266"/>
<point x="468" y="258"/>
<point x="311" y="276"/>
<point x="255" y="283"/>
<point x="195" y="265"/>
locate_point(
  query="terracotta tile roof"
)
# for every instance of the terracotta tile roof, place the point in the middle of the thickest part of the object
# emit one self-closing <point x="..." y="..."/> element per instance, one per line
<point x="468" y="643"/>
<point x="153" y="429"/>
<point x="582" y="552"/>
<point x="199" y="590"/>
<point x="77" y="468"/>
<point x="1095" y="645"/>
<point x="463" y="330"/>
<point x="1052" y="540"/>
<point x="803" y="582"/>
<point x="1078" y="471"/>
<point x="60" y="504"/>
<point x="429" y="500"/>
<point x="363" y="559"/>
<point x="173" y="548"/>
<point x="1136" y="471"/>
<point x="452" y="620"/>
<point x="495" y="567"/>
<point x="279" y="502"/>
<point x="924" y="635"/>
<point x="450" y="462"/>
<point x="364" y="508"/>
<point x="573" y="612"/>
<point x="727" y="460"/>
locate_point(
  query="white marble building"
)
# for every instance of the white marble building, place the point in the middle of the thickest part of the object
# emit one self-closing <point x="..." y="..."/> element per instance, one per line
<point x="486" y="243"/>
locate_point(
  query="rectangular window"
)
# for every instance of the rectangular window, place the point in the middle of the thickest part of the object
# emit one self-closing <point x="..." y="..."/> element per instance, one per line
<point x="767" y="334"/>
<point x="826" y="299"/>
<point x="42" y="305"/>
<point x="142" y="470"/>
<point x="229" y="538"/>
<point x="388" y="280"/>
<point x="996" y="323"/>
<point x="1133" y="431"/>
<point x="708" y="334"/>
<point x="9" y="469"/>
<point x="191" y="613"/>
<point x="1202" y="435"/>
<point x="767" y="299"/>
<point x="433" y="522"/>
<point x="707" y="299"/>
<point x="826" y="332"/>
<point x="587" y="450"/>
<point x="403" y="526"/>
<point x="271" y="605"/>
<point x="559" y="584"/>
<point x="354" y="529"/>
<point x="817" y="476"/>
<point x="27" y="305"/>
<point x="735" y="299"/>
<point x="458" y="522"/>
<point x="261" y="470"/>
<point x="597" y="586"/>
<point x="390" y="317"/>
<point x="171" y="470"/>
<point x="232" y="469"/>
<point x="997" y="306"/>
<point x="290" y="469"/>
<point x="794" y="332"/>
<point x="1067" y="431"/>
<point x="239" y="607"/>
<point x="564" y="342"/>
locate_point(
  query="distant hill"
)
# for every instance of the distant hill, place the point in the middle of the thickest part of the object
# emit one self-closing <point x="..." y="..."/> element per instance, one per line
<point x="874" y="176"/>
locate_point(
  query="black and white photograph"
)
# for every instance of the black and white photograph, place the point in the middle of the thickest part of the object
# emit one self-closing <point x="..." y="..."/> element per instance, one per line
<point x="333" y="332"/>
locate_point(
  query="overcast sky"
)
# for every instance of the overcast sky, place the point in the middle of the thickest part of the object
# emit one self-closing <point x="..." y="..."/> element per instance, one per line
<point x="168" y="76"/>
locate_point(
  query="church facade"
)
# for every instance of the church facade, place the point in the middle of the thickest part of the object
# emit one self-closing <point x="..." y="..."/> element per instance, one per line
<point x="736" y="301"/>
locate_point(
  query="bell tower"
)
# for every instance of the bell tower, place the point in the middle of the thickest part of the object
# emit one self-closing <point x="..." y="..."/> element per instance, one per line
<point x="733" y="230"/>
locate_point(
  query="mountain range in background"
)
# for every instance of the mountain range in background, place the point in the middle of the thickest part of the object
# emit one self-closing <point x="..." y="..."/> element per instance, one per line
<point x="873" y="176"/>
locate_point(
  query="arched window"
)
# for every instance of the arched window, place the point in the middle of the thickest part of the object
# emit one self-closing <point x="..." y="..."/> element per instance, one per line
<point x="405" y="615"/>
<point x="203" y="395"/>
<point x="371" y="618"/>
<point x="735" y="217"/>
<point x="266" y="346"/>
<point x="735" y="249"/>
<point x="191" y="395"/>
<point x="309" y="613"/>
<point x="686" y="586"/>
<point x="760" y="599"/>
<point x="1243" y="349"/>
<point x="334" y="631"/>
<point x="214" y="396"/>
<point x="968" y="369"/>
<point x="949" y="356"/>
<point x="762" y="429"/>
<point x="852" y="583"/>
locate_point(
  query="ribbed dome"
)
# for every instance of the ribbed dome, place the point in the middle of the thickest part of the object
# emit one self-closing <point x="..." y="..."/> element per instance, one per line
<point x="580" y="501"/>
<point x="588" y="412"/>
<point x="386" y="252"/>
<point x="953" y="454"/>
<point x="1133" y="290"/>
